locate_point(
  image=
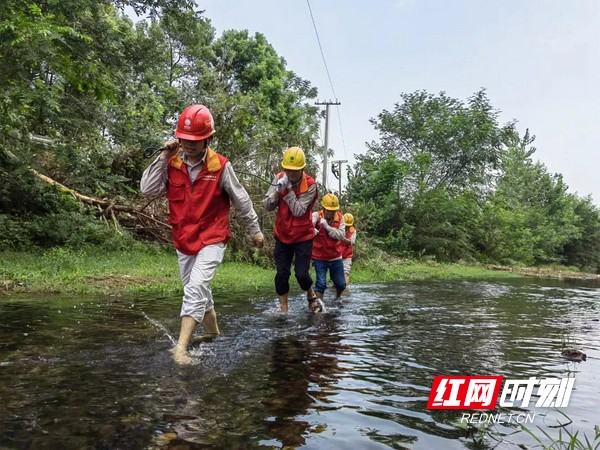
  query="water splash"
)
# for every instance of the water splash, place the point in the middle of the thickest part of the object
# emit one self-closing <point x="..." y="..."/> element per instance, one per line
<point x="160" y="326"/>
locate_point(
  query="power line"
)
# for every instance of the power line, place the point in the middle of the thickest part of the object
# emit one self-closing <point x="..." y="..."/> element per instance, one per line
<point x="342" y="132"/>
<point x="320" y="47"/>
<point x="325" y="168"/>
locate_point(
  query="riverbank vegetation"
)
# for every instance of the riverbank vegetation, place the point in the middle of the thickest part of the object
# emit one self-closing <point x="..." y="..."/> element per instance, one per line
<point x="153" y="269"/>
<point x="86" y="89"/>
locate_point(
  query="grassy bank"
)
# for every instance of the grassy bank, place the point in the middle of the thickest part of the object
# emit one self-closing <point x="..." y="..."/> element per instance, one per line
<point x="150" y="269"/>
<point x="90" y="271"/>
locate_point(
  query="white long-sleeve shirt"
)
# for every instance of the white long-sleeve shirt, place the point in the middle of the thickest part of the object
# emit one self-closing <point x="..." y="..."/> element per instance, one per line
<point x="155" y="181"/>
<point x="334" y="233"/>
<point x="298" y="204"/>
<point x="353" y="238"/>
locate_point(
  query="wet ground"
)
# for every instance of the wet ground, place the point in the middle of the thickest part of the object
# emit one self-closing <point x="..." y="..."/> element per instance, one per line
<point x="96" y="373"/>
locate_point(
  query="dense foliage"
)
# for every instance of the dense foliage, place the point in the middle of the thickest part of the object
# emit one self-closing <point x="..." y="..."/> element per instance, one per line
<point x="446" y="180"/>
<point x="85" y="90"/>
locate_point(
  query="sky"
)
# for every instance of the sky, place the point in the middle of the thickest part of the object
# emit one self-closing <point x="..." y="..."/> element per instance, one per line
<point x="539" y="61"/>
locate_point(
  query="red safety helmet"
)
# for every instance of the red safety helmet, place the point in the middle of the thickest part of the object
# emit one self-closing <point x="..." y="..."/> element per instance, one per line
<point x="195" y="123"/>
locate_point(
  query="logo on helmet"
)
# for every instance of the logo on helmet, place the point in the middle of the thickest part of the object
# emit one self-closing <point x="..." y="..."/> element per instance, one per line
<point x="187" y="123"/>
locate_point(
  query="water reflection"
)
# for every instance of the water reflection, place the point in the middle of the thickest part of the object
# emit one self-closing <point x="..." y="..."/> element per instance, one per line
<point x="302" y="376"/>
<point x="289" y="380"/>
<point x="96" y="372"/>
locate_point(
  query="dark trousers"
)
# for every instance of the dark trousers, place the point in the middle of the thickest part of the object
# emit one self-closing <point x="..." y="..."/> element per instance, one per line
<point x="301" y="253"/>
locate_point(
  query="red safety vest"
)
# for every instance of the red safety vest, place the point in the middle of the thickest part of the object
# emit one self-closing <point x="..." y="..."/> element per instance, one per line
<point x="325" y="248"/>
<point x="199" y="213"/>
<point x="347" y="249"/>
<point x="290" y="229"/>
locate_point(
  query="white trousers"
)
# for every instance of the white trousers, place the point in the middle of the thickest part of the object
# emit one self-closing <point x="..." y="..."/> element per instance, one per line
<point x="196" y="272"/>
<point x="347" y="264"/>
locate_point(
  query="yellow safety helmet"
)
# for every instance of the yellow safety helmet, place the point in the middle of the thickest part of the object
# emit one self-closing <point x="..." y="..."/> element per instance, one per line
<point x="293" y="159"/>
<point x="348" y="219"/>
<point x="330" y="202"/>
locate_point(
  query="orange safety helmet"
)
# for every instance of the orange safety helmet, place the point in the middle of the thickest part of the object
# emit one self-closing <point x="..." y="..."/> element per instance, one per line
<point x="195" y="123"/>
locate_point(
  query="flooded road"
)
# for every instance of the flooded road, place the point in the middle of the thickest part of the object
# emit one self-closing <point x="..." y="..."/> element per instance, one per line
<point x="78" y="373"/>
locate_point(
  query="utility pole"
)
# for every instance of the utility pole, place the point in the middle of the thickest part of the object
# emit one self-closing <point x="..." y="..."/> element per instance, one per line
<point x="339" y="163"/>
<point x="326" y="138"/>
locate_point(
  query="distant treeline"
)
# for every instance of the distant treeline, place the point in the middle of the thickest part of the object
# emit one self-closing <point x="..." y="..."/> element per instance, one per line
<point x="85" y="90"/>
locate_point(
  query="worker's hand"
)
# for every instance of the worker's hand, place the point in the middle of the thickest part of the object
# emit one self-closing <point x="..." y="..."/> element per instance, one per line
<point x="346" y="241"/>
<point x="258" y="240"/>
<point x="171" y="147"/>
<point x="282" y="183"/>
<point x="324" y="223"/>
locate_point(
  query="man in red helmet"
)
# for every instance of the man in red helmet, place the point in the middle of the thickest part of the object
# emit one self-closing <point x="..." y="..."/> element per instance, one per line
<point x="200" y="186"/>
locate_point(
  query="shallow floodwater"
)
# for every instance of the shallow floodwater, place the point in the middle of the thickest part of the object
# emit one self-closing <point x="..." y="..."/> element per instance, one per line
<point x="96" y="372"/>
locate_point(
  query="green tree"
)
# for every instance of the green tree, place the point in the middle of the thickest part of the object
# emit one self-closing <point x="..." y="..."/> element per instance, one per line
<point x="261" y="105"/>
<point x="583" y="250"/>
<point x="420" y="183"/>
<point x="445" y="142"/>
<point x="530" y="215"/>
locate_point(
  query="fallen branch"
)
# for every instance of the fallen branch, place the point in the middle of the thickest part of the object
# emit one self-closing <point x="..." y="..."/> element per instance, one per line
<point x="109" y="207"/>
